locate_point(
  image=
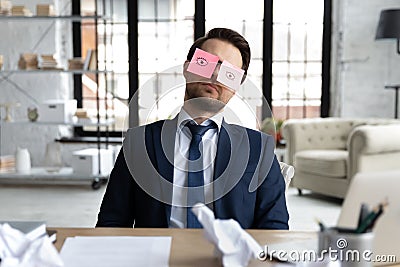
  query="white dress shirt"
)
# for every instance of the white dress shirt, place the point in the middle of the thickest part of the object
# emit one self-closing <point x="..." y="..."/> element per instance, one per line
<point x="182" y="142"/>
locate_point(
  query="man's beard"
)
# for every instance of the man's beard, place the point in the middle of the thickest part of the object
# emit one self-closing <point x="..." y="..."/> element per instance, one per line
<point x="203" y="106"/>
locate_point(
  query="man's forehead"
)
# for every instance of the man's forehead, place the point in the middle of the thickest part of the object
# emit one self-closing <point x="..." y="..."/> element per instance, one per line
<point x="224" y="50"/>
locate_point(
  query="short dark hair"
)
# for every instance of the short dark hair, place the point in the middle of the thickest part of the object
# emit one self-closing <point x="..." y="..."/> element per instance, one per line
<point x="231" y="37"/>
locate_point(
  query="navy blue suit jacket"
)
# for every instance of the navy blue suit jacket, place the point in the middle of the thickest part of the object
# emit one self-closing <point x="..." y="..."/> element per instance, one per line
<point x="250" y="182"/>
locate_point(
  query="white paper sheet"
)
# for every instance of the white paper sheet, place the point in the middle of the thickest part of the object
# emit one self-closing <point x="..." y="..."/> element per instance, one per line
<point x="116" y="251"/>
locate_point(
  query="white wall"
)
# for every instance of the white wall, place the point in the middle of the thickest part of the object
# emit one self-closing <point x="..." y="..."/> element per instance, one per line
<point x="362" y="66"/>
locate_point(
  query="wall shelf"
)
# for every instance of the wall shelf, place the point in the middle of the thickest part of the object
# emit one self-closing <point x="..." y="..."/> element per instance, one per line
<point x="64" y="175"/>
<point x="47" y="18"/>
<point x="107" y="122"/>
<point x="54" y="71"/>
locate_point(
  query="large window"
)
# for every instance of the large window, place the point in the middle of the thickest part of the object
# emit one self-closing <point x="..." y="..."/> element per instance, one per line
<point x="103" y="91"/>
<point x="164" y="31"/>
<point x="249" y="24"/>
<point x="297" y="58"/>
<point x="165" y="34"/>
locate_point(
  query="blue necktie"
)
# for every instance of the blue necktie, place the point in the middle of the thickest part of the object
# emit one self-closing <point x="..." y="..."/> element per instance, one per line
<point x="195" y="171"/>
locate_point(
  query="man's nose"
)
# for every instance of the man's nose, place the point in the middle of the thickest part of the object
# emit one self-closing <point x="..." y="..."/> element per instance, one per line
<point x="215" y="72"/>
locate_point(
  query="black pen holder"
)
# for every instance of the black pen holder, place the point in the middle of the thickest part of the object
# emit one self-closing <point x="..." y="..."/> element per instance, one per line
<point x="347" y="247"/>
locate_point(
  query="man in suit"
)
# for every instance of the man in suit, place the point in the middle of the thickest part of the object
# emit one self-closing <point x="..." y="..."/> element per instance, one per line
<point x="168" y="166"/>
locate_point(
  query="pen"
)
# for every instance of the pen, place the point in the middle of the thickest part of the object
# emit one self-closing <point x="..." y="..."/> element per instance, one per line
<point x="369" y="221"/>
<point x="380" y="211"/>
<point x="364" y="211"/>
<point x="321" y="225"/>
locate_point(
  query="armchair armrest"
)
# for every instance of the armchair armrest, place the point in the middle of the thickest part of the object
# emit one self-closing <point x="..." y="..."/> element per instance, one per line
<point x="373" y="147"/>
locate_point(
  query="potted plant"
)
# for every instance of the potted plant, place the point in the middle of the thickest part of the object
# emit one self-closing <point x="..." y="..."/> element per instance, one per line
<point x="273" y="128"/>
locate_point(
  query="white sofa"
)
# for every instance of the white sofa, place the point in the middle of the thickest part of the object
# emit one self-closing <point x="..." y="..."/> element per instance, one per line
<point x="328" y="152"/>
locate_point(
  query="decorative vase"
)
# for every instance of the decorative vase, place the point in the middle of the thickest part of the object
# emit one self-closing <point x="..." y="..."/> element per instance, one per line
<point x="53" y="159"/>
<point x="22" y="161"/>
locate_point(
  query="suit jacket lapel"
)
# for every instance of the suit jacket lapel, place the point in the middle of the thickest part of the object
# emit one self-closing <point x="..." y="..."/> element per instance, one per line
<point x="164" y="144"/>
<point x="164" y="140"/>
<point x="223" y="151"/>
<point x="225" y="160"/>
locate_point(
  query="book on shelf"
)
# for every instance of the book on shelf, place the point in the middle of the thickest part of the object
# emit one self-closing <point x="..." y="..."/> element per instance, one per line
<point x="7" y="160"/>
<point x="75" y="63"/>
<point x="1" y="61"/>
<point x="87" y="59"/>
<point x="7" y="163"/>
<point x="81" y="113"/>
<point x="7" y="170"/>
<point x="45" y="10"/>
<point x="48" y="62"/>
<point x="5" y="7"/>
<point x="28" y="61"/>
<point x="93" y="61"/>
<point x="20" y="11"/>
<point x="90" y="60"/>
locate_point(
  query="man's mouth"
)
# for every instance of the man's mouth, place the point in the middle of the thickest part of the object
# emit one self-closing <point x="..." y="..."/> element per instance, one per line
<point x="211" y="86"/>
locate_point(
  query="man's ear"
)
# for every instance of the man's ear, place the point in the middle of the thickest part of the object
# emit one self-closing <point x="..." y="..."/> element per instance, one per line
<point x="185" y="67"/>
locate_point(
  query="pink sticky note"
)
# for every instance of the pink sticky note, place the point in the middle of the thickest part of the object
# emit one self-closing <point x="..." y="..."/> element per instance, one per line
<point x="203" y="63"/>
<point x="230" y="75"/>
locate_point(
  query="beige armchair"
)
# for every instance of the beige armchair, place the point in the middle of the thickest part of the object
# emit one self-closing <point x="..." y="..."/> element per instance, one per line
<point x="328" y="152"/>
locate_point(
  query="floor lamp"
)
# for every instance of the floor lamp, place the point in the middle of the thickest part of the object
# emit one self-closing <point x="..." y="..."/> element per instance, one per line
<point x="389" y="28"/>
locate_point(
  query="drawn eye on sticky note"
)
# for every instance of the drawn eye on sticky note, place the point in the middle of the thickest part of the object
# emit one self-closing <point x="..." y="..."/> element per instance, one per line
<point x="230" y="75"/>
<point x="203" y="63"/>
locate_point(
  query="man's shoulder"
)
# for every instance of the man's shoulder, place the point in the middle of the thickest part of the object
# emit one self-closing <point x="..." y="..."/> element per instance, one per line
<point x="250" y="132"/>
<point x="135" y="136"/>
<point x="159" y="123"/>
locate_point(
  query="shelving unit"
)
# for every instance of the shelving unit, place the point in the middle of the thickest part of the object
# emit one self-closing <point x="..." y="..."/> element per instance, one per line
<point x="55" y="71"/>
<point x="70" y="18"/>
<point x="107" y="122"/>
<point x="46" y="175"/>
<point x="65" y="174"/>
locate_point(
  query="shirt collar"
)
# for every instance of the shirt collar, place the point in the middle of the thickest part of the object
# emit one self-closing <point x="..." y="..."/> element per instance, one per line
<point x="184" y="117"/>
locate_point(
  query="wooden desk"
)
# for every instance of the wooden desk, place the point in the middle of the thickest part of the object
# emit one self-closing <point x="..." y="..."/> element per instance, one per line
<point x="188" y="247"/>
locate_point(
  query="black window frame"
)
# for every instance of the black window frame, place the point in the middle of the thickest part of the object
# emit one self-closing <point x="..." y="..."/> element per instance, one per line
<point x="79" y="132"/>
<point x="199" y="30"/>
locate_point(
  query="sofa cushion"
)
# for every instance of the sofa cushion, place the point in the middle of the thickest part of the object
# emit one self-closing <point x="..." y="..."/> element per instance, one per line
<point x="331" y="163"/>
